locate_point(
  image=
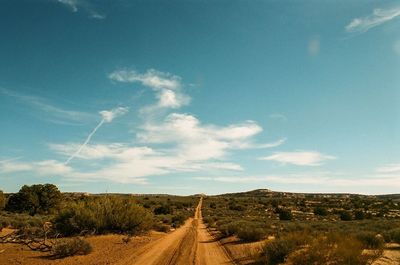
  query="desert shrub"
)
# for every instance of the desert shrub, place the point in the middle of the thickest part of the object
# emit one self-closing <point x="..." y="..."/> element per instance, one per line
<point x="102" y="215"/>
<point x="322" y="211"/>
<point x="2" y="200"/>
<point x="276" y="251"/>
<point x="213" y="205"/>
<point x="70" y="247"/>
<point x="236" y="207"/>
<point x="210" y="221"/>
<point x="162" y="228"/>
<point x="178" y="220"/>
<point x="392" y="235"/>
<point x="251" y="233"/>
<point x="229" y="229"/>
<point x="346" y="216"/>
<point x="370" y="240"/>
<point x="163" y="209"/>
<point x="35" y="199"/>
<point x="359" y="215"/>
<point x="285" y="215"/>
<point x="334" y="249"/>
<point x="21" y="220"/>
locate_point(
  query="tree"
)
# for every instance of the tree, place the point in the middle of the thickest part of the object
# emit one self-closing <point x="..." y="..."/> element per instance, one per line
<point x="285" y="214"/>
<point x="359" y="215"/>
<point x="2" y="200"/>
<point x="35" y="199"/>
<point x="163" y="209"/>
<point x="322" y="211"/>
<point x="346" y="216"/>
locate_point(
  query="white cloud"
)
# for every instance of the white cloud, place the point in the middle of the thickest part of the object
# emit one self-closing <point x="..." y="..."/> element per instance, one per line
<point x="8" y="166"/>
<point x="166" y="143"/>
<point x="75" y="5"/>
<point x="45" y="167"/>
<point x="96" y="15"/>
<point x="167" y="86"/>
<point x="152" y="78"/>
<point x="196" y="141"/>
<point x="278" y="116"/>
<point x="378" y="17"/>
<point x="300" y="158"/>
<point x="191" y="147"/>
<point x="389" y="169"/>
<point x="107" y="117"/>
<point x="72" y="4"/>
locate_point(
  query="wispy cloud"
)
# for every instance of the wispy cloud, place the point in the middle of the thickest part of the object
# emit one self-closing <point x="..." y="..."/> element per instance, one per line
<point x="185" y="145"/>
<point x="389" y="169"/>
<point x="167" y="143"/>
<point x="45" y="167"/>
<point x="278" y="116"/>
<point x="52" y="113"/>
<point x="378" y="17"/>
<point x="76" y="5"/>
<point x="300" y="158"/>
<point x="167" y="86"/>
<point x="72" y="4"/>
<point x="107" y="116"/>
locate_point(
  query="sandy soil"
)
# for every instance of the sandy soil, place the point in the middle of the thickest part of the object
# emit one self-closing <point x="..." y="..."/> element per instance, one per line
<point x="391" y="255"/>
<point x="190" y="244"/>
<point x="107" y="249"/>
<point x="209" y="250"/>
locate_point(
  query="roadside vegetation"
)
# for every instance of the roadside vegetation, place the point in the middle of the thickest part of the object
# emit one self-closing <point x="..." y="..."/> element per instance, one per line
<point x="307" y="228"/>
<point x="44" y="219"/>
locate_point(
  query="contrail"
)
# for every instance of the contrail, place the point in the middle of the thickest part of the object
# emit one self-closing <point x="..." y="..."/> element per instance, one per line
<point x="85" y="143"/>
<point x="108" y="116"/>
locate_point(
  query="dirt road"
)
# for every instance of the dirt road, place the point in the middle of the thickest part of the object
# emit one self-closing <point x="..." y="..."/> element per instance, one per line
<point x="190" y="244"/>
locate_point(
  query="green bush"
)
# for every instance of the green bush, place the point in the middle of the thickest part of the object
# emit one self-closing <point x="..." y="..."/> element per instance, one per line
<point x="164" y="209"/>
<point x="21" y="220"/>
<point x="371" y="240"/>
<point x="2" y="200"/>
<point x="359" y="215"/>
<point x="276" y="251"/>
<point x="102" y="215"/>
<point x="178" y="220"/>
<point x="332" y="249"/>
<point x="70" y="247"/>
<point x="346" y="216"/>
<point x="251" y="233"/>
<point x="35" y="199"/>
<point x="322" y="211"/>
<point x="285" y="215"/>
<point x="229" y="229"/>
<point x="392" y="235"/>
<point x="236" y="207"/>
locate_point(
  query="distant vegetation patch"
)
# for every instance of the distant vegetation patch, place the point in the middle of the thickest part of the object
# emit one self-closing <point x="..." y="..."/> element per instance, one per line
<point x="104" y="214"/>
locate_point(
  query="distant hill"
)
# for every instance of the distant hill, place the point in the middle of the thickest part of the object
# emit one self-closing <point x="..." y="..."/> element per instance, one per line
<point x="271" y="193"/>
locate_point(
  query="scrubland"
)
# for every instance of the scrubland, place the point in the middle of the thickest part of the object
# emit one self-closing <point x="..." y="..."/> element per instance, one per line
<point x="306" y="228"/>
<point x="257" y="227"/>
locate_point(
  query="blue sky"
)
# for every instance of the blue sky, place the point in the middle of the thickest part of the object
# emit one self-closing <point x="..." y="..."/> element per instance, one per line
<point x="200" y="96"/>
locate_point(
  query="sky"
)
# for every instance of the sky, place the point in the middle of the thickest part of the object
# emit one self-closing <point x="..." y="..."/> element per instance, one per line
<point x="186" y="97"/>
